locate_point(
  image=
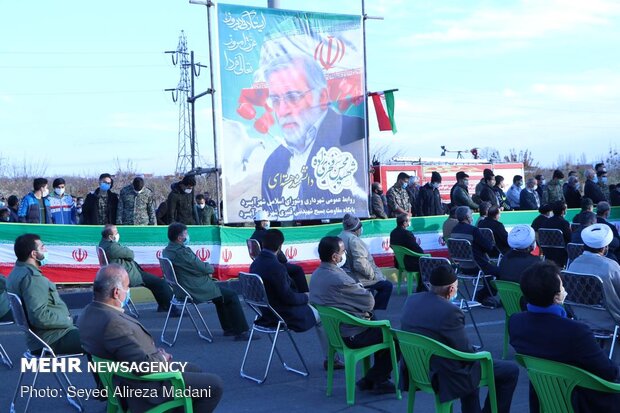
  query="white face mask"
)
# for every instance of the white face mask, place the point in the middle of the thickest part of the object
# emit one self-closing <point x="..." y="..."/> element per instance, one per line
<point x="343" y="260"/>
<point x="188" y="190"/>
<point x="562" y="296"/>
<point x="45" y="192"/>
<point x="201" y="206"/>
<point x="59" y="191"/>
<point x="117" y="237"/>
<point x="267" y="225"/>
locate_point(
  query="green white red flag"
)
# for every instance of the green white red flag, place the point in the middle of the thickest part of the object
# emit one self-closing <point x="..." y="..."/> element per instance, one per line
<point x="384" y="108"/>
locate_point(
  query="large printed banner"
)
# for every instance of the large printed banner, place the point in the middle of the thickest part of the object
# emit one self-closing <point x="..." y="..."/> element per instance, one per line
<point x="73" y="258"/>
<point x="292" y="136"/>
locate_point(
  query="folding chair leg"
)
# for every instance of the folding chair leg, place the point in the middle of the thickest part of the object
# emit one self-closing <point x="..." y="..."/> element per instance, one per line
<point x="19" y="384"/>
<point x="304" y="373"/>
<point x="5" y="359"/>
<point x="247" y="348"/>
<point x="74" y="402"/>
<point x="173" y="303"/>
<point x="208" y="337"/>
<point x="473" y="321"/>
<point x="505" y="350"/>
<point x="613" y="343"/>
<point x="132" y="308"/>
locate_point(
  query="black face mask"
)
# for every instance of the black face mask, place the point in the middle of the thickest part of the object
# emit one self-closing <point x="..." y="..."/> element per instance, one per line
<point x="379" y="192"/>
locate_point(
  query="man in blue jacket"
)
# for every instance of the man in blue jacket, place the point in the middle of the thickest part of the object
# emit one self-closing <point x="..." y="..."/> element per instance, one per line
<point x="35" y="207"/>
<point x="61" y="204"/>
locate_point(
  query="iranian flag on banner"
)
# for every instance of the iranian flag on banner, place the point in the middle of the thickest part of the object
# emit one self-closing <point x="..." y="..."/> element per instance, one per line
<point x="384" y="107"/>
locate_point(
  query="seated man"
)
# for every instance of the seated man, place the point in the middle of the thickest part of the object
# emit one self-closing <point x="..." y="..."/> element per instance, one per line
<point x="499" y="231"/>
<point x="544" y="214"/>
<point x="596" y="239"/>
<point x="433" y="315"/>
<point x="403" y="237"/>
<point x="522" y="241"/>
<point x="122" y="255"/>
<point x="481" y="247"/>
<point x="195" y="276"/>
<point x="449" y="224"/>
<point x="47" y="313"/>
<point x="361" y="265"/>
<point x="292" y="306"/>
<point x="557" y="221"/>
<point x="587" y="219"/>
<point x="602" y="214"/>
<point x="5" y="308"/>
<point x="331" y="286"/>
<point x="297" y="274"/>
<point x="586" y="206"/>
<point x="107" y="332"/>
<point x="544" y="331"/>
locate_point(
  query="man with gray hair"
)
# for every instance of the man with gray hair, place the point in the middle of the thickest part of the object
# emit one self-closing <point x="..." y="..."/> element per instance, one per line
<point x="360" y="264"/>
<point x="591" y="189"/>
<point x="571" y="192"/>
<point x="300" y="101"/>
<point x="529" y="198"/>
<point x="107" y="332"/>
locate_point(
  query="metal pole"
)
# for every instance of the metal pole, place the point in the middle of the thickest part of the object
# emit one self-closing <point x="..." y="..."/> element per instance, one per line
<point x="273" y="4"/>
<point x="192" y="137"/>
<point x="365" y="91"/>
<point x="213" y="118"/>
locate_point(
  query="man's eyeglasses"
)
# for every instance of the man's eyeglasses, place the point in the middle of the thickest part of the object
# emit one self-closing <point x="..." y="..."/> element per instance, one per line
<point x="290" y="98"/>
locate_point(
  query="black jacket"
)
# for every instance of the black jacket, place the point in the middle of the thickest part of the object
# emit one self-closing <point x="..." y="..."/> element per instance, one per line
<point x="488" y="194"/>
<point x="90" y="209"/>
<point x="404" y="238"/>
<point x="572" y="197"/>
<point x="593" y="191"/>
<point x="615" y="198"/>
<point x="552" y="337"/>
<point x="499" y="233"/>
<point x="292" y="306"/>
<point x="428" y="201"/>
<point x="527" y="201"/>
<point x="514" y="263"/>
<point x="559" y="256"/>
<point x="180" y="206"/>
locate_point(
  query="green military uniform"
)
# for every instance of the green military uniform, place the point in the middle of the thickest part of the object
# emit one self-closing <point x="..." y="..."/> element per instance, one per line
<point x="124" y="256"/>
<point x="553" y="192"/>
<point x="5" y="308"/>
<point x="206" y="215"/>
<point x="47" y="313"/>
<point x="135" y="208"/>
<point x="397" y="196"/>
<point x="604" y="189"/>
<point x="195" y="276"/>
<point x="180" y="206"/>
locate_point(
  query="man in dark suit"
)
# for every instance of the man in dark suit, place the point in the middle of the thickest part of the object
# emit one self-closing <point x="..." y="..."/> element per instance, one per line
<point x="433" y="315"/>
<point x="602" y="213"/>
<point x="557" y="221"/>
<point x="522" y="241"/>
<point x="429" y="199"/>
<point x="544" y="331"/>
<point x="591" y="189"/>
<point x="529" y="199"/>
<point x="499" y="231"/>
<point x="316" y="142"/>
<point x="403" y="237"/>
<point x="291" y="305"/>
<point x="107" y="332"/>
<point x="297" y="274"/>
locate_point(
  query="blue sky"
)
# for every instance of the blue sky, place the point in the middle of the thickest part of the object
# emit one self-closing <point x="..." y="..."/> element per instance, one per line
<point x="82" y="82"/>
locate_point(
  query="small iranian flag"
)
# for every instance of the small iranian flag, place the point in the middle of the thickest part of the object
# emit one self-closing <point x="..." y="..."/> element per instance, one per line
<point x="384" y="107"/>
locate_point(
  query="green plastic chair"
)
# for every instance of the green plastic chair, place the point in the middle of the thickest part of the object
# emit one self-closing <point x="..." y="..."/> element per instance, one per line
<point x="175" y="378"/>
<point x="510" y="295"/>
<point x="554" y="382"/>
<point x="332" y="318"/>
<point x="417" y="351"/>
<point x="400" y="253"/>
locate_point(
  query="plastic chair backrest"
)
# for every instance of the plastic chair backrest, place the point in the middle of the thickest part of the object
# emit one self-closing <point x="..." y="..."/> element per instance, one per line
<point x="573" y="250"/>
<point x="331" y="318"/>
<point x="417" y="351"/>
<point x="550" y="238"/>
<point x="510" y="295"/>
<point x="401" y="252"/>
<point x="103" y="258"/>
<point x="460" y="251"/>
<point x="554" y="382"/>
<point x="428" y="264"/>
<point x="487" y="233"/>
<point x="583" y="289"/>
<point x="253" y="248"/>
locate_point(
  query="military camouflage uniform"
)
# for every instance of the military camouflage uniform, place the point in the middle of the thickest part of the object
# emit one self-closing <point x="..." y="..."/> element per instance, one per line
<point x="136" y="208"/>
<point x="398" y="197"/>
<point x="553" y="192"/>
<point x="604" y="189"/>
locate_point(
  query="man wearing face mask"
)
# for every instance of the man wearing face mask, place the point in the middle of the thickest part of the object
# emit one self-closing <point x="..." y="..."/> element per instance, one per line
<point x="429" y="199"/>
<point x="459" y="194"/>
<point x="35" y="207"/>
<point x="361" y="265"/>
<point x="119" y="254"/>
<point x="295" y="272"/>
<point x="47" y="313"/>
<point x="540" y="184"/>
<point x="333" y="287"/>
<point x="61" y="204"/>
<point x="101" y="206"/>
<point x="205" y="212"/>
<point x="571" y="192"/>
<point x="180" y="202"/>
<point x="398" y="197"/>
<point x="195" y="276"/>
<point x="402" y="236"/>
<point x="433" y="315"/>
<point x="591" y="189"/>
<point x="136" y="204"/>
<point x="602" y="183"/>
<point x="544" y="331"/>
<point x="376" y="205"/>
<point x="514" y="192"/>
<point x="529" y="199"/>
